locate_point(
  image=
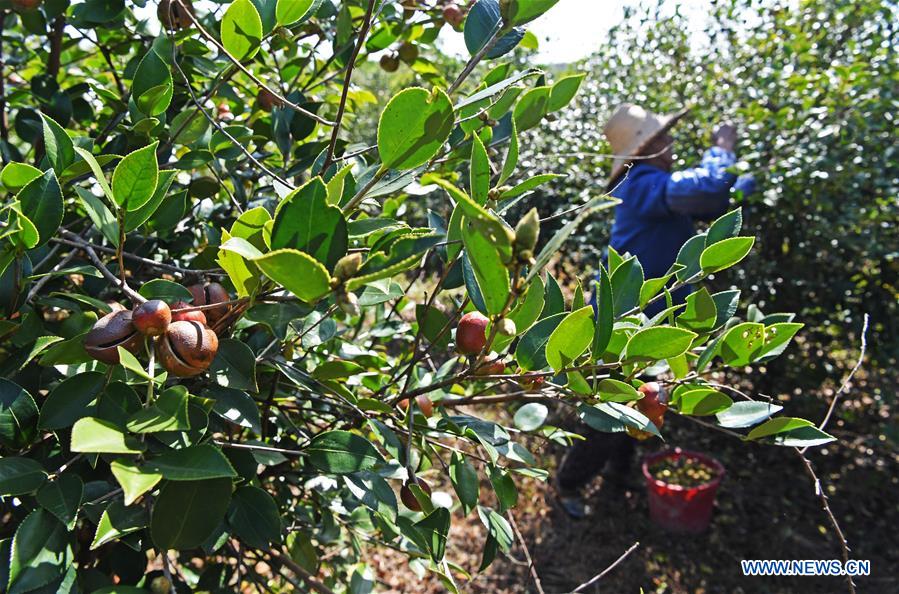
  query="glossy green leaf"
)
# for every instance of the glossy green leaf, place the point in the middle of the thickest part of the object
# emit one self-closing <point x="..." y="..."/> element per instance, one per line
<point x="135" y="178"/>
<point x="479" y="171"/>
<point x="196" y="462"/>
<point x="71" y="400"/>
<point x="297" y="272"/>
<point x="612" y="390"/>
<point x="531" y="350"/>
<point x="725" y="253"/>
<point x="465" y="481"/>
<point x="570" y="338"/>
<point x="605" y="314"/>
<point x="18" y="415"/>
<point x="413" y="126"/>
<point x="167" y="413"/>
<point x="703" y="402"/>
<point x="19" y="476"/>
<point x="58" y="144"/>
<point x="241" y="29"/>
<point x="658" y="342"/>
<point x="254" y="517"/>
<point x="341" y="452"/>
<point x="305" y="221"/>
<point x="187" y="512"/>
<point x="41" y="201"/>
<point x="62" y="498"/>
<point x="91" y="435"/>
<point x="489" y="270"/>
<point x="117" y="521"/>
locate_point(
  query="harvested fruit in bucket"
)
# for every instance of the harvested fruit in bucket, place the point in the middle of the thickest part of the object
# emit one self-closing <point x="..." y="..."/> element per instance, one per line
<point x="683" y="471"/>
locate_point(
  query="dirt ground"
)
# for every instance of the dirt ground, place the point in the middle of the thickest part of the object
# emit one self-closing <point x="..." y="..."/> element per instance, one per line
<point x="766" y="509"/>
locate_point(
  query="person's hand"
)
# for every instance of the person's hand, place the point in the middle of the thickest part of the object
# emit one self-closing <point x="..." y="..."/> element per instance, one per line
<point x="725" y="136"/>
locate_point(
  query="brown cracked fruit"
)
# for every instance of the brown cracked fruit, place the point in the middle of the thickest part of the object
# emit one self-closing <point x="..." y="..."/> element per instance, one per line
<point x="110" y="332"/>
<point x="210" y="294"/>
<point x="173" y="16"/>
<point x="152" y="317"/>
<point x="187" y="348"/>
<point x="408" y="498"/>
<point x="194" y="315"/>
<point x="471" y="333"/>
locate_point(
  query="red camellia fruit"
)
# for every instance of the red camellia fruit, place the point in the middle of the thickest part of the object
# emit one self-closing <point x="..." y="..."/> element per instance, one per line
<point x="267" y="100"/>
<point x="194" y="315"/>
<point x="453" y="15"/>
<point x="654" y="402"/>
<point x="424" y="405"/>
<point x="533" y="383"/>
<point x="471" y="333"/>
<point x="408" y="498"/>
<point x="152" y="317"/>
<point x="495" y="367"/>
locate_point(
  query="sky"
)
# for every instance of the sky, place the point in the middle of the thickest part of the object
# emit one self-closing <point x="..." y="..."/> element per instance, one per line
<point x="572" y="29"/>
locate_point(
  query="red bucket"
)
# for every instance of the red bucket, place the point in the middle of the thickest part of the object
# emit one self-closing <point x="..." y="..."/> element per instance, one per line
<point x="678" y="508"/>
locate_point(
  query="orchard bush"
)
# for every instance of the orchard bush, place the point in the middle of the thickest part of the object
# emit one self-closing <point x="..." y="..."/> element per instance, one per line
<point x="812" y="87"/>
<point x="226" y="343"/>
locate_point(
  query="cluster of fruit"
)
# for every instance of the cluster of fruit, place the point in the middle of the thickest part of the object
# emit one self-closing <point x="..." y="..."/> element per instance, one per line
<point x="184" y="343"/>
<point x="407" y="51"/>
<point x="684" y="471"/>
<point x="653" y="405"/>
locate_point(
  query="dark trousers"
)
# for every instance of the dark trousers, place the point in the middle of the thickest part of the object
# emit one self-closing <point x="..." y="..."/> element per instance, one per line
<point x="588" y="457"/>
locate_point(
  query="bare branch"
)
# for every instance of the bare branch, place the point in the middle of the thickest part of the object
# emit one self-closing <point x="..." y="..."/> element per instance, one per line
<point x="605" y="571"/>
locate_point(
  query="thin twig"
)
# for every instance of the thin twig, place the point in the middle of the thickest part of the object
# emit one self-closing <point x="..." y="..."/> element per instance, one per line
<point x="599" y="576"/>
<point x="527" y="553"/>
<point x="95" y="259"/>
<point x="300" y="571"/>
<point x="491" y="41"/>
<point x="822" y="497"/>
<point x="341" y="107"/>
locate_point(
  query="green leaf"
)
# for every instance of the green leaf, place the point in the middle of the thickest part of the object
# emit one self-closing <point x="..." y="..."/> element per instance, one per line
<point x="570" y="338"/>
<point x="747" y="414"/>
<point x="58" y="145"/>
<point x="187" y="513"/>
<point x="413" y="126"/>
<point x="611" y="390"/>
<point x="511" y="160"/>
<point x="16" y="176"/>
<point x="801" y="437"/>
<point x="605" y="314"/>
<point x="465" y="481"/>
<point x="614" y="417"/>
<point x="479" y="171"/>
<point x="701" y="313"/>
<point x="195" y="462"/>
<point x="486" y="222"/>
<point x="237" y="407"/>
<point x="305" y="221"/>
<point x="531" y="350"/>
<point x="528" y="185"/>
<point x="254" y="517"/>
<point x="135" y="480"/>
<point x="62" y="498"/>
<point x="153" y="86"/>
<point x="702" y="402"/>
<point x="41" y="552"/>
<point x="234" y="365"/>
<point x="118" y="521"/>
<point x="689" y="256"/>
<point x="725" y="253"/>
<point x="489" y="270"/>
<point x="564" y="90"/>
<point x="503" y="487"/>
<point x="91" y="435"/>
<point x="297" y="272"/>
<point x="244" y="275"/>
<point x="71" y="400"/>
<point x="434" y="529"/>
<point x="18" y="416"/>
<point x="135" y="177"/>
<point x="156" y="205"/>
<point x="725" y="227"/>
<point x="342" y="452"/>
<point x="519" y="12"/>
<point x="167" y="413"/>
<point x="531" y="108"/>
<point x="42" y="203"/>
<point x="777" y="339"/>
<point x="497" y="527"/>
<point x="431" y="322"/>
<point x="166" y="290"/>
<point x="99" y="215"/>
<point x="627" y="282"/>
<point x="531" y="416"/>
<point x="20" y="476"/>
<point x="288" y="12"/>
<point x="778" y="425"/>
<point x="658" y="342"/>
<point x="97" y="170"/>
<point x="742" y="343"/>
<point x="652" y="286"/>
<point x="528" y="310"/>
<point x="241" y="30"/>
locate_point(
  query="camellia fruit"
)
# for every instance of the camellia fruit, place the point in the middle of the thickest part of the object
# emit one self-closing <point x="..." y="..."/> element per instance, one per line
<point x="408" y="52"/>
<point x="210" y="294"/>
<point x="187" y="348"/>
<point x="194" y="315"/>
<point x="389" y="63"/>
<point x="425" y="405"/>
<point x="408" y="498"/>
<point x="110" y="332"/>
<point x="653" y="404"/>
<point x="267" y="100"/>
<point x="453" y="15"/>
<point x="152" y="317"/>
<point x="471" y="333"/>
<point x="495" y="367"/>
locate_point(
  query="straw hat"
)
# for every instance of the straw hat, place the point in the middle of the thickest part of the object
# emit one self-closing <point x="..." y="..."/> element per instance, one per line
<point x="630" y="129"/>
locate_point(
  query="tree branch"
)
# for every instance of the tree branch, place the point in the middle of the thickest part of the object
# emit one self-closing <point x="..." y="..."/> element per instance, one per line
<point x="605" y="571"/>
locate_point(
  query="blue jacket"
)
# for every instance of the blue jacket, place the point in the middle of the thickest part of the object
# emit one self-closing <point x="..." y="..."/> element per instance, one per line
<point x="657" y="210"/>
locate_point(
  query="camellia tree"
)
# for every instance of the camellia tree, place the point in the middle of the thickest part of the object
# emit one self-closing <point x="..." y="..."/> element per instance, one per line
<point x="229" y="338"/>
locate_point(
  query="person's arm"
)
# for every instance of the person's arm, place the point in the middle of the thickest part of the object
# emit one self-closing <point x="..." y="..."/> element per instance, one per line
<point x="704" y="192"/>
